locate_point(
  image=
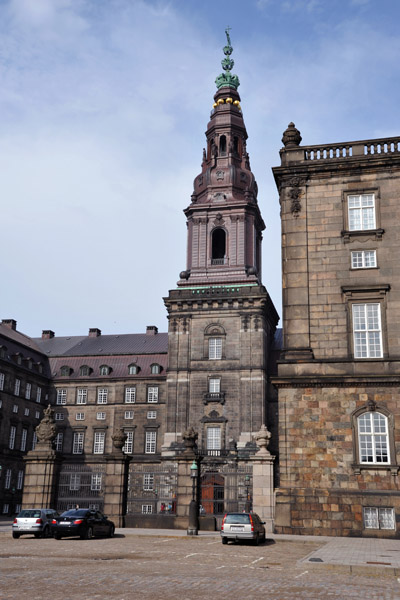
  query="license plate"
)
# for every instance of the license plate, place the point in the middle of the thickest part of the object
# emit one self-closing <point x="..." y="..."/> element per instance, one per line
<point x="25" y="526"/>
<point x="64" y="523"/>
<point x="236" y="528"/>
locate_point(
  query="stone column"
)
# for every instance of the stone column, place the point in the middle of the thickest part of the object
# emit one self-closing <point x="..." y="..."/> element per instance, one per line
<point x="116" y="480"/>
<point x="185" y="485"/>
<point x="263" y="480"/>
<point x="42" y="467"/>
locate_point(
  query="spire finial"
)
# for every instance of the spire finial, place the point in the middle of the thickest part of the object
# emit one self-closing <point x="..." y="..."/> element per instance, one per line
<point x="227" y="79"/>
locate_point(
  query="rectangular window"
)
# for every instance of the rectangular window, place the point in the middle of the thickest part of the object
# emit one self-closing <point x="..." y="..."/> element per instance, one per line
<point x="59" y="441"/>
<point x="152" y="394"/>
<point x="214" y="438"/>
<point x="28" y="391"/>
<point x="34" y="440"/>
<point x="148" y="482"/>
<point x="20" y="480"/>
<point x="2" y="378"/>
<point x="15" y="408"/>
<point x="23" y="440"/>
<point x="61" y="396"/>
<point x="81" y="395"/>
<point x="95" y="484"/>
<point x="151" y="442"/>
<point x="11" y="439"/>
<point x="363" y="259"/>
<point x="361" y="212"/>
<point x="17" y="508"/>
<point x="214" y="385"/>
<point x="6" y="508"/>
<point x="152" y="414"/>
<point x="215" y="348"/>
<point x="367" y="330"/>
<point x="102" y="395"/>
<point x="77" y="445"/>
<point x="373" y="438"/>
<point x="130" y="395"/>
<point x="7" y="479"/>
<point x="59" y="416"/>
<point x="17" y="387"/>
<point x="98" y="444"/>
<point x="100" y="416"/>
<point x="26" y="412"/>
<point x="378" y="518"/>
<point x="147" y="509"/>
<point x="80" y="417"/>
<point x="74" y="482"/>
<point x="129" y="414"/>
<point x="38" y="394"/>
<point x="128" y="447"/>
<point x="37" y="414"/>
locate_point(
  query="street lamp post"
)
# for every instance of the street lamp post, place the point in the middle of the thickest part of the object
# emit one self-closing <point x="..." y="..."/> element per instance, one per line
<point x="248" y="504"/>
<point x="193" y="527"/>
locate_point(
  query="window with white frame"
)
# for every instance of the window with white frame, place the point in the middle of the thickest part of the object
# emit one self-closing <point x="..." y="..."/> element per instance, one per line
<point x="98" y="442"/>
<point x="61" y="396"/>
<point x="133" y="369"/>
<point x="129" y="414"/>
<point x="80" y="416"/>
<point x="104" y="370"/>
<point x="34" y="440"/>
<point x="7" y="479"/>
<point x="6" y="508"/>
<point x="152" y="414"/>
<point x="152" y="394"/>
<point x="17" y="508"/>
<point x="215" y="348"/>
<point x="28" y="391"/>
<point x="378" y="518"/>
<point x="20" y="479"/>
<point x="24" y="437"/>
<point x="130" y="395"/>
<point x="74" y="482"/>
<point x="81" y="396"/>
<point x="77" y="444"/>
<point x="148" y="482"/>
<point x="100" y="416"/>
<point x="102" y="395"/>
<point x="150" y="442"/>
<point x="361" y="209"/>
<point x="37" y="414"/>
<point x="59" y="441"/>
<point x="363" y="259"/>
<point x="26" y="412"/>
<point x="15" y="408"/>
<point x="155" y="369"/>
<point x="367" y="331"/>
<point x="128" y="446"/>
<point x="95" y="483"/>
<point x="59" y="416"/>
<point x="147" y="509"/>
<point x="38" y="394"/>
<point x="17" y="387"/>
<point x="214" y="385"/>
<point x="373" y="438"/>
<point x="1" y="402"/>
<point x="11" y="439"/>
<point x="2" y="379"/>
<point x="84" y="371"/>
<point x="213" y="438"/>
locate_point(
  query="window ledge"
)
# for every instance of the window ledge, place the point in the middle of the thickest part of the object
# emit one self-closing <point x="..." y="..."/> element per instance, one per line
<point x="357" y="468"/>
<point x="365" y="233"/>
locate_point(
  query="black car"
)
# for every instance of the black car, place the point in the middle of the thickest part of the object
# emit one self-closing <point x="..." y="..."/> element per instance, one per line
<point x="82" y="522"/>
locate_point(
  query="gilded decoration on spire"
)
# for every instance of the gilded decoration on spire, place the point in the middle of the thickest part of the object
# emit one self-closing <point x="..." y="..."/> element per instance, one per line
<point x="227" y="79"/>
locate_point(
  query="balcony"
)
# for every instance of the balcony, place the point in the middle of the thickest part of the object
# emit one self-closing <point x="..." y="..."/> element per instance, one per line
<point x="214" y="397"/>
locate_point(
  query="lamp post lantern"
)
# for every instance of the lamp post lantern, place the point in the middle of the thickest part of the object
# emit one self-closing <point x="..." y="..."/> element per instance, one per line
<point x="193" y="527"/>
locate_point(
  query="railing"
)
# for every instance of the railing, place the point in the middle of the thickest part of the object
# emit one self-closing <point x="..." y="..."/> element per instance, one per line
<point x="214" y="397"/>
<point x="352" y="149"/>
<point x="208" y="452"/>
<point x="218" y="261"/>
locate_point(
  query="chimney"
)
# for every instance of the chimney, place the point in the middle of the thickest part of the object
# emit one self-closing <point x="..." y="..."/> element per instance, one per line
<point x="151" y="330"/>
<point x="94" y="332"/>
<point x="47" y="334"/>
<point x="11" y="323"/>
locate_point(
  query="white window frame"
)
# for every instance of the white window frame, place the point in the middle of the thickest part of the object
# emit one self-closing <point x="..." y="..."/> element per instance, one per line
<point x="28" y="391"/>
<point x="133" y="369"/>
<point x="78" y="442"/>
<point x="128" y="446"/>
<point x="2" y="380"/>
<point x="102" y="396"/>
<point x="80" y="416"/>
<point x="215" y="348"/>
<point x="104" y="370"/>
<point x="101" y="416"/>
<point x="12" y="436"/>
<point x="59" y="416"/>
<point x="61" y="396"/>
<point x="148" y="482"/>
<point x="74" y="482"/>
<point x="17" y="387"/>
<point x="373" y="438"/>
<point x="24" y="437"/>
<point x="37" y="414"/>
<point x="15" y="408"/>
<point x="95" y="482"/>
<point x="81" y="395"/>
<point x="155" y="369"/>
<point x="130" y="395"/>
<point x="381" y="517"/>
<point x="147" y="509"/>
<point x="7" y="479"/>
<point x="26" y="412"/>
<point x="6" y="508"/>
<point x="361" y="212"/>
<point x="214" y="385"/>
<point x="20" y="479"/>
<point x="152" y="414"/>
<point x="128" y="414"/>
<point x="363" y="259"/>
<point x="59" y="441"/>
<point x="214" y="438"/>
<point x="150" y="442"/>
<point x="99" y="441"/>
<point x="152" y="394"/>
<point x="367" y="330"/>
<point x="38" y="394"/>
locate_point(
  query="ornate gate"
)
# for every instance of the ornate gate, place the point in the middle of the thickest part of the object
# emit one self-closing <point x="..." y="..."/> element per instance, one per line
<point x="82" y="485"/>
<point x="152" y="489"/>
<point x="225" y="488"/>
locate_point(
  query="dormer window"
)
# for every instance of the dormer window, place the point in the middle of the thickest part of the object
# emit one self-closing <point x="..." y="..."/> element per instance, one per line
<point x="133" y="369"/>
<point x="65" y="371"/>
<point x="18" y="359"/>
<point x="155" y="369"/>
<point x="105" y="370"/>
<point x="84" y="371"/>
<point x="3" y="351"/>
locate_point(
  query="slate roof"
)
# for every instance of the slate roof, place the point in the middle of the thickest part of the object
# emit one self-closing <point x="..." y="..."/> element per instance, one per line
<point x="19" y="338"/>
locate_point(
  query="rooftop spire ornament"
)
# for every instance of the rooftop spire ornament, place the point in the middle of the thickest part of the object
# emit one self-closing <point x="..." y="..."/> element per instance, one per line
<point x="227" y="79"/>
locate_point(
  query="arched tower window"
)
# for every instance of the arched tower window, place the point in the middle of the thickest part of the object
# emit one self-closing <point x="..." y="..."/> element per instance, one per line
<point x="236" y="145"/>
<point x="218" y="247"/>
<point x="222" y="145"/>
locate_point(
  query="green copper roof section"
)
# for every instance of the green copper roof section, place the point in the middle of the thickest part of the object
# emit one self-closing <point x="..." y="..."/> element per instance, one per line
<point x="227" y="79"/>
<point x="233" y="287"/>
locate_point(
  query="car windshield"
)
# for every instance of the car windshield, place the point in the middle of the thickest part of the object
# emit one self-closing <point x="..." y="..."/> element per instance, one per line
<point x="30" y="514"/>
<point x="237" y="518"/>
<point x="82" y="512"/>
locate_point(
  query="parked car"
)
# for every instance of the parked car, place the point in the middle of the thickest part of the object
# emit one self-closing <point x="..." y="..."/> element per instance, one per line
<point x="82" y="522"/>
<point x="34" y="521"/>
<point x="242" y="526"/>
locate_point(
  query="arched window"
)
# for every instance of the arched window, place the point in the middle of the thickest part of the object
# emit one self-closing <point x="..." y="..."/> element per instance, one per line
<point x="133" y="369"/>
<point x="155" y="369"/>
<point x="65" y="371"/>
<point x="84" y="370"/>
<point x="222" y="145"/>
<point x="104" y="370"/>
<point x="373" y="438"/>
<point x="218" y="247"/>
<point x="236" y="145"/>
<point x="214" y="342"/>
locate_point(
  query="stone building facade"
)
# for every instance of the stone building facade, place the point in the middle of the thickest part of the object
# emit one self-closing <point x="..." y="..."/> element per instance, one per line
<point x="339" y="372"/>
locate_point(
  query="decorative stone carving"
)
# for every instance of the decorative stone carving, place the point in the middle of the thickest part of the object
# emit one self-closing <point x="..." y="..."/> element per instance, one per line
<point x="291" y="136"/>
<point x="220" y="175"/>
<point x="218" y="219"/>
<point x="190" y="440"/>
<point x="119" y="438"/>
<point x="295" y="193"/>
<point x="219" y="197"/>
<point x="46" y="430"/>
<point x="262" y="440"/>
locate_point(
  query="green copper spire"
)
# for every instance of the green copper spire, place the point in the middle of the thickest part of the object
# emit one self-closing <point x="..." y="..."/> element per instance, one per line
<point x="227" y="79"/>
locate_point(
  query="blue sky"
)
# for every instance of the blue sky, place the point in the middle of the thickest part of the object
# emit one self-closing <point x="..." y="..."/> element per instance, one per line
<point x="103" y="109"/>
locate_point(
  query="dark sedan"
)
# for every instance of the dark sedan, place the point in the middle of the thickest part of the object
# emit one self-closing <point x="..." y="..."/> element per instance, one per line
<point x="82" y="522"/>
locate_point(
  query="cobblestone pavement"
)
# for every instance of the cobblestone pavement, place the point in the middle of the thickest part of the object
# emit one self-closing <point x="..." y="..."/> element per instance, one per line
<point x="169" y="567"/>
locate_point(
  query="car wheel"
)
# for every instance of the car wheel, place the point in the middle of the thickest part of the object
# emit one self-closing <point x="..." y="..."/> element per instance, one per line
<point x="45" y="533"/>
<point x="111" y="532"/>
<point x="257" y="540"/>
<point x="15" y="535"/>
<point x="88" y="533"/>
<point x="57" y="536"/>
<point x="38" y="535"/>
<point x="224" y="540"/>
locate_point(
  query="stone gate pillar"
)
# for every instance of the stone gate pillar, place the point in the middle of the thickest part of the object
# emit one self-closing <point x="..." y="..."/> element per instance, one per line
<point x="116" y="480"/>
<point x="263" y="480"/>
<point x="42" y="466"/>
<point x="185" y="484"/>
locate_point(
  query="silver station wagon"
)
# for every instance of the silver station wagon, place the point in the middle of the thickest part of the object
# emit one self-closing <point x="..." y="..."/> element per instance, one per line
<point x="242" y="526"/>
<point x="34" y="521"/>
